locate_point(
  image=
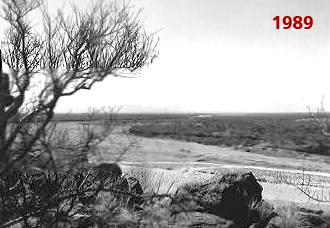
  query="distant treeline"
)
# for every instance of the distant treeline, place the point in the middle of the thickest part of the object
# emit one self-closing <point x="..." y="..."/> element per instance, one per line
<point x="73" y="117"/>
<point x="279" y="131"/>
<point x="130" y="117"/>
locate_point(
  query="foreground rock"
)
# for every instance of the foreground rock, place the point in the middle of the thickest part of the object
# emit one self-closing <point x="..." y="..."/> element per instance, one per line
<point x="233" y="196"/>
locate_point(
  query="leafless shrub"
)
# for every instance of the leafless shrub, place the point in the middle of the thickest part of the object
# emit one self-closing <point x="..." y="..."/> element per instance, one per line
<point x="70" y="54"/>
<point x="321" y="118"/>
<point x="310" y="185"/>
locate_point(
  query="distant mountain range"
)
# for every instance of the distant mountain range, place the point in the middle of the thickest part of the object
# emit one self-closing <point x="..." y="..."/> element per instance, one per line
<point x="151" y="109"/>
<point x="129" y="109"/>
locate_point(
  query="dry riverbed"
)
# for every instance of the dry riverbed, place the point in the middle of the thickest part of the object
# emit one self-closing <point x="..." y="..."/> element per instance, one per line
<point x="172" y="154"/>
<point x="169" y="163"/>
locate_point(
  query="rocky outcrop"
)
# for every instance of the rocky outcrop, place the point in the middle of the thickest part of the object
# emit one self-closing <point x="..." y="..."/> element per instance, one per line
<point x="229" y="196"/>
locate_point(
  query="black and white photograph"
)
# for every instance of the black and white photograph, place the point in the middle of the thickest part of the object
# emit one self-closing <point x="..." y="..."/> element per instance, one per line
<point x="165" y="113"/>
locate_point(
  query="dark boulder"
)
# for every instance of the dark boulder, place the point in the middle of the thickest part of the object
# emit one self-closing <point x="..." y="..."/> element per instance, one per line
<point x="228" y="195"/>
<point x="108" y="170"/>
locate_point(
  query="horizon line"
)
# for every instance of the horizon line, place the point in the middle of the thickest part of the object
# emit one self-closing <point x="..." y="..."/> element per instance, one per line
<point x="196" y="113"/>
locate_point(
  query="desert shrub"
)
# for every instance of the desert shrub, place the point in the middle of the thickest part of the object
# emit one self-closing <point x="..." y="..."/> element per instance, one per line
<point x="56" y="199"/>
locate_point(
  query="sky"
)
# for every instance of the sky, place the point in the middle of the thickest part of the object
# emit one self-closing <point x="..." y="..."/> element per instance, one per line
<point x="222" y="56"/>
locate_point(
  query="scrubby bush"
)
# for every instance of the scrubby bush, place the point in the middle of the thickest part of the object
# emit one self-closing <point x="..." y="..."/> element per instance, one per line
<point x="61" y="199"/>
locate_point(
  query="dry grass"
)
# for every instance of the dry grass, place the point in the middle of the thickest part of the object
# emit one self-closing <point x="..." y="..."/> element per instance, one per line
<point x="292" y="215"/>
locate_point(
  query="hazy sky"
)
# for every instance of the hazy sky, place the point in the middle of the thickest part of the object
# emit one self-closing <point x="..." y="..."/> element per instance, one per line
<point x="224" y="56"/>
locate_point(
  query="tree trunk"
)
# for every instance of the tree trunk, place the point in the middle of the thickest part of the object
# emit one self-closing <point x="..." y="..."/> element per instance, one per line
<point x="3" y="118"/>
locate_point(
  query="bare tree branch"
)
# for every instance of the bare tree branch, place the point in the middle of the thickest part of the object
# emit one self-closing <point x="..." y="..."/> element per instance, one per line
<point x="70" y="54"/>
